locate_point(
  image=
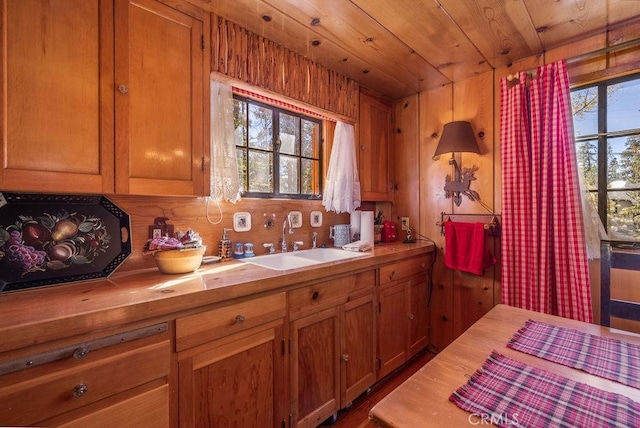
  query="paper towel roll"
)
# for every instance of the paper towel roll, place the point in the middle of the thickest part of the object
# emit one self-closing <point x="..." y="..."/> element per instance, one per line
<point x="366" y="227"/>
<point x="355" y="226"/>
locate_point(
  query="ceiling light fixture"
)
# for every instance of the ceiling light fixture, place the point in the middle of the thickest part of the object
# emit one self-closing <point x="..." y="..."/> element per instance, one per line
<point x="458" y="137"/>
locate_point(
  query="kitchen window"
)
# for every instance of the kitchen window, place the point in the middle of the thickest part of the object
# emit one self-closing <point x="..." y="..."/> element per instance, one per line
<point x="278" y="150"/>
<point x="606" y="118"/>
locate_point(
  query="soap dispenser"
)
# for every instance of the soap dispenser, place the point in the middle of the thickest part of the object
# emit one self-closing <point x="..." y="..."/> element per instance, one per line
<point x="224" y="246"/>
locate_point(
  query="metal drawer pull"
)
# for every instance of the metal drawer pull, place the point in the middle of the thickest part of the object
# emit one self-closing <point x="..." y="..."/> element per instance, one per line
<point x="123" y="89"/>
<point x="239" y="319"/>
<point x="80" y="390"/>
<point x="411" y="316"/>
<point x="394" y="273"/>
<point x="315" y="295"/>
<point x="345" y="357"/>
<point x="76" y="349"/>
<point x="80" y="352"/>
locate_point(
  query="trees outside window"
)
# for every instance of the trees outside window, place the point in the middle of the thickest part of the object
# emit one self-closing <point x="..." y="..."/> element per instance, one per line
<point x="606" y="119"/>
<point x="278" y="151"/>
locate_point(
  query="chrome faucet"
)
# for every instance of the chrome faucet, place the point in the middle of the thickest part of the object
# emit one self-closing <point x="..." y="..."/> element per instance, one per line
<point x="315" y="240"/>
<point x="284" y="228"/>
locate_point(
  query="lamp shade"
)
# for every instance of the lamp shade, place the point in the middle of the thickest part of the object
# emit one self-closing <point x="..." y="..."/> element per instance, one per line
<point x="457" y="137"/>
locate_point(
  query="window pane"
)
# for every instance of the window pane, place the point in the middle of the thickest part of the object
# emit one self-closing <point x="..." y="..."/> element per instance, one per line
<point x="289" y="134"/>
<point x="629" y="161"/>
<point x="624" y="214"/>
<point x="242" y="168"/>
<point x="310" y="185"/>
<point x="288" y="174"/>
<point x="623" y="154"/>
<point x="260" y="128"/>
<point x="584" y="104"/>
<point x="240" y="122"/>
<point x="623" y="102"/>
<point x="587" y="156"/>
<point x="260" y="167"/>
<point x="310" y="139"/>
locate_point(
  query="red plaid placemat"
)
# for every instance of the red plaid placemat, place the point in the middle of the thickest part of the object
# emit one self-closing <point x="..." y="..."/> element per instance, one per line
<point x="609" y="358"/>
<point x="507" y="392"/>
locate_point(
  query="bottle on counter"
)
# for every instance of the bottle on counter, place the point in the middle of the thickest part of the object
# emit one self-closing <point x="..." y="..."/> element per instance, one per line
<point x="224" y="247"/>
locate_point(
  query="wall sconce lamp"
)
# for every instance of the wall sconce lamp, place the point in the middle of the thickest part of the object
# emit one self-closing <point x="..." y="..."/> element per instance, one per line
<point x="458" y="137"/>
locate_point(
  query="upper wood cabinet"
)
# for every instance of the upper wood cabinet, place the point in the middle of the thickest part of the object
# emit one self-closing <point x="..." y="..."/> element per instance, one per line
<point x="159" y="99"/>
<point x="374" y="162"/>
<point x="57" y="124"/>
<point x="104" y="96"/>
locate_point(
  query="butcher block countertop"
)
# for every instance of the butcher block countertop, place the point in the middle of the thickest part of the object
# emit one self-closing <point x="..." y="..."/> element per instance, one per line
<point x="32" y="317"/>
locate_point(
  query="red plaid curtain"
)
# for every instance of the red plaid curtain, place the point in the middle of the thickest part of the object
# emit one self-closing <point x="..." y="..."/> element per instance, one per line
<point x="543" y="251"/>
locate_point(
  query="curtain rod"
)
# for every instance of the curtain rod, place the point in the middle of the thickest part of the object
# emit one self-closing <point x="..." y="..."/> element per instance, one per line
<point x="606" y="50"/>
<point x="577" y="58"/>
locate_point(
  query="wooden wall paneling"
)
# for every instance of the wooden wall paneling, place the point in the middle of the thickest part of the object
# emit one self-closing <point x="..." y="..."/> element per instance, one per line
<point x="436" y="109"/>
<point x="406" y="146"/>
<point x="622" y="34"/>
<point x="473" y="102"/>
<point x="188" y="212"/>
<point x="473" y="297"/>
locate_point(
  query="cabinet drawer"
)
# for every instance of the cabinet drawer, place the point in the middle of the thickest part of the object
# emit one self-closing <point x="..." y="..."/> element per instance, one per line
<point x="146" y="409"/>
<point x="326" y="294"/>
<point x="49" y="391"/>
<point x="216" y="323"/>
<point x="404" y="269"/>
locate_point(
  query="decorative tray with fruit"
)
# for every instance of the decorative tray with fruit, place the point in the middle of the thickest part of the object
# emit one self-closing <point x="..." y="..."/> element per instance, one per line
<point x="51" y="239"/>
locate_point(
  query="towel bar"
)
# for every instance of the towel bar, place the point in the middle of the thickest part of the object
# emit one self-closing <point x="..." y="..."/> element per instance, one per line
<point x="493" y="225"/>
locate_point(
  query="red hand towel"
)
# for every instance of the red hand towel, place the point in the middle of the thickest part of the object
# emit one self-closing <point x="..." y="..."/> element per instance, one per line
<point x="466" y="247"/>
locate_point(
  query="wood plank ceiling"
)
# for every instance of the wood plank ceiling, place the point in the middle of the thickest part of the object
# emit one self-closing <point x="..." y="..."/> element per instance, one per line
<point x="401" y="47"/>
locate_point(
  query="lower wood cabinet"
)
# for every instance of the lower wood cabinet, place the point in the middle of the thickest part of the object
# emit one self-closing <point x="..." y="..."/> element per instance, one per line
<point x="102" y="382"/>
<point x="233" y="371"/>
<point x="402" y="313"/>
<point x="332" y="346"/>
<point x="237" y="381"/>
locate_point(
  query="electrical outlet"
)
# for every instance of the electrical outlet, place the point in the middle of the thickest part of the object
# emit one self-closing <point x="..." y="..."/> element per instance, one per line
<point x="405" y="223"/>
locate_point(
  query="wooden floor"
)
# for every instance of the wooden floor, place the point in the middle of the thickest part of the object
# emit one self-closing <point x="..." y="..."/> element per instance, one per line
<point x="357" y="416"/>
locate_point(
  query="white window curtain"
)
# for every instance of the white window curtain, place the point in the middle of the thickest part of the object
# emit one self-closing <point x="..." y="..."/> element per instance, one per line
<point x="593" y="228"/>
<point x="342" y="189"/>
<point x="225" y="182"/>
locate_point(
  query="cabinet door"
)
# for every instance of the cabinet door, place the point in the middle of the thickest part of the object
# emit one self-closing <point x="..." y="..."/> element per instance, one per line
<point x="57" y="73"/>
<point x="392" y="327"/>
<point x="358" y="348"/>
<point x="236" y="381"/>
<point x="315" y="364"/>
<point x="373" y="156"/>
<point x="159" y="94"/>
<point x="418" y="316"/>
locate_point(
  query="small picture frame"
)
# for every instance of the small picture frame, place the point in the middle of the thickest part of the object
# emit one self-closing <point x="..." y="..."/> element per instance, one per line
<point x="296" y="219"/>
<point x="316" y="218"/>
<point x="242" y="222"/>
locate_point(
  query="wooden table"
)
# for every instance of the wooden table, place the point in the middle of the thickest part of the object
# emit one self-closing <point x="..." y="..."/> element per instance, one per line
<point x="423" y="400"/>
